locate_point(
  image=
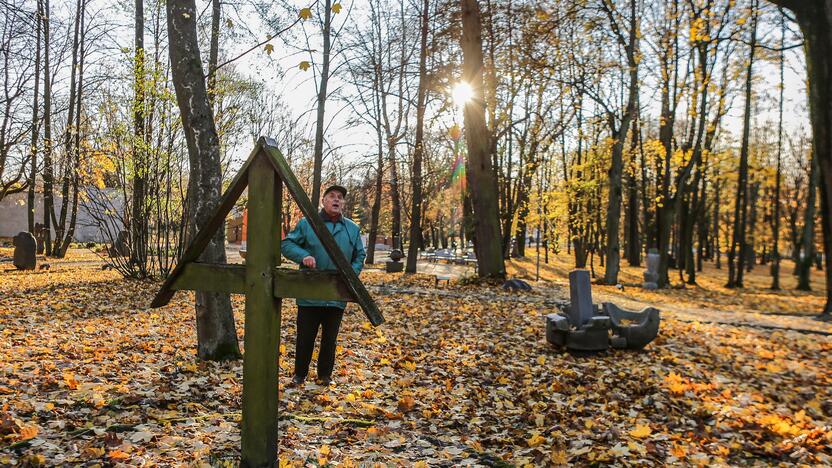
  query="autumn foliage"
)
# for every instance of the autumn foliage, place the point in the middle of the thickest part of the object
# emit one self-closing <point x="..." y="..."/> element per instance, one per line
<point x="458" y="375"/>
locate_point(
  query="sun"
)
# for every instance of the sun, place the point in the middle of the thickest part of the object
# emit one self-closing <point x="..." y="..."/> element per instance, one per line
<point x="462" y="93"/>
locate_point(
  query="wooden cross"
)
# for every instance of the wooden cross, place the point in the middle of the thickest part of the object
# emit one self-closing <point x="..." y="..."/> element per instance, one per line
<point x="265" y="285"/>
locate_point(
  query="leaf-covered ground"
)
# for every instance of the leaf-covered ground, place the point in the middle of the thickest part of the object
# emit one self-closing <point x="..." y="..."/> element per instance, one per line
<point x="456" y="376"/>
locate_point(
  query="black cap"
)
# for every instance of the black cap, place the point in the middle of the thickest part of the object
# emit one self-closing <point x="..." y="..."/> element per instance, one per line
<point x="336" y="187"/>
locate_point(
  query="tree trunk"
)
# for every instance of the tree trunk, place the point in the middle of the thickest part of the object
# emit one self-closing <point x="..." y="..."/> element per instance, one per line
<point x="375" y="211"/>
<point x="48" y="201"/>
<point x="416" y="205"/>
<point x="480" y="171"/>
<point x="217" y="338"/>
<point x="736" y="265"/>
<point x="816" y="25"/>
<point x="775" y="228"/>
<point x="138" y="220"/>
<point x="33" y="150"/>
<point x="804" y="263"/>
<point x="395" y="198"/>
<point x="318" y="153"/>
<point x="751" y="253"/>
<point x="214" y="49"/>
<point x="613" y="248"/>
<point x="76" y="166"/>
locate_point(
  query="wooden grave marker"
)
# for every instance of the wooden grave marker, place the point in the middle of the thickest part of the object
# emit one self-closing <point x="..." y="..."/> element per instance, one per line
<point x="265" y="285"/>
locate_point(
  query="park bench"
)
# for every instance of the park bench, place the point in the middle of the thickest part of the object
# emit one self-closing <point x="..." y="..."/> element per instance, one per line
<point x="438" y="278"/>
<point x="265" y="285"/>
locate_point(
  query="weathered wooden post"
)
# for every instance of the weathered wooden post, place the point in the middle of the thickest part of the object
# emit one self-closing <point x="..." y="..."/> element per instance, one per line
<point x="264" y="284"/>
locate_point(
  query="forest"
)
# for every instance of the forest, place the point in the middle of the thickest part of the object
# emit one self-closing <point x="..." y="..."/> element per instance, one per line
<point x="527" y="138"/>
<point x="608" y="129"/>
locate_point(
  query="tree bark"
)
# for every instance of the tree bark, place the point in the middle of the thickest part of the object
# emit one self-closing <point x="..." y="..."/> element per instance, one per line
<point x="214" y="49"/>
<point x="619" y="134"/>
<point x="48" y="201"/>
<point x="217" y="338"/>
<point x="138" y="219"/>
<point x="76" y="151"/>
<point x="775" y="228"/>
<point x="804" y="259"/>
<point x="416" y="181"/>
<point x="736" y="265"/>
<point x="815" y="20"/>
<point x="480" y="170"/>
<point x="33" y="150"/>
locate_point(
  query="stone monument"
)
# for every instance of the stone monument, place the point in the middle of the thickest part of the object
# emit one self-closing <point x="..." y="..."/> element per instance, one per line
<point x="25" y="247"/>
<point x="394" y="265"/>
<point x="651" y="275"/>
<point x="584" y="326"/>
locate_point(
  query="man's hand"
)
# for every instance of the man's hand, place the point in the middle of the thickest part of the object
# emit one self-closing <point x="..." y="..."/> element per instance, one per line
<point x="309" y="261"/>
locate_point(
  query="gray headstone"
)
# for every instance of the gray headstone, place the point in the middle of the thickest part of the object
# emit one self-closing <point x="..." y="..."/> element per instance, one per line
<point x="580" y="295"/>
<point x="25" y="247"/>
<point x="393" y="267"/>
<point x="651" y="275"/>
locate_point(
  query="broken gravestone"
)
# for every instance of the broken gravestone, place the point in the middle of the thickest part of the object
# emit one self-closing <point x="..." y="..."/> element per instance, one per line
<point x="584" y="327"/>
<point x="637" y="329"/>
<point x="25" y="248"/>
<point x="651" y="275"/>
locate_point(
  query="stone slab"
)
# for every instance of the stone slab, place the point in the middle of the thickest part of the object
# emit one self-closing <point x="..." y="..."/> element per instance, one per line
<point x="580" y="295"/>
<point x="25" y="248"/>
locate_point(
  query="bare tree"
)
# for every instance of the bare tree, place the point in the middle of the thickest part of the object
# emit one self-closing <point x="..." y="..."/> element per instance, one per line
<point x="217" y="338"/>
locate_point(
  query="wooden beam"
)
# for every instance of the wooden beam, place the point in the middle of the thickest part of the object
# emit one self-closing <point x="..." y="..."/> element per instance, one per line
<point x="311" y="284"/>
<point x="289" y="283"/>
<point x="211" y="277"/>
<point x="262" y="326"/>
<point x="204" y="234"/>
<point x="353" y="283"/>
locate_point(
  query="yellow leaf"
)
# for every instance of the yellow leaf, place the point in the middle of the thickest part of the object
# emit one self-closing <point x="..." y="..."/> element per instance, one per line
<point x="304" y="65"/>
<point x="541" y="360"/>
<point x="94" y="452"/>
<point x="325" y="450"/>
<point x="641" y="431"/>
<point x="559" y="457"/>
<point x="269" y="49"/>
<point x="305" y="13"/>
<point x="336" y="8"/>
<point x="678" y="451"/>
<point x="535" y="440"/>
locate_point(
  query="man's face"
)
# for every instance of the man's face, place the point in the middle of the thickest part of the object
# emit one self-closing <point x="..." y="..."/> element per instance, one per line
<point x="333" y="202"/>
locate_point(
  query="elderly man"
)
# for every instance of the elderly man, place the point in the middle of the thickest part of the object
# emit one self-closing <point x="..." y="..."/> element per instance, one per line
<point x="302" y="246"/>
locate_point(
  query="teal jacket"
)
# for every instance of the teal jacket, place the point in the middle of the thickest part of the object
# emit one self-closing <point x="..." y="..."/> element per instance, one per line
<point x="303" y="241"/>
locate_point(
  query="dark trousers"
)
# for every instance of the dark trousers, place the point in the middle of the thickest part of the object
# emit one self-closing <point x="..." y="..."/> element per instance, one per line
<point x="309" y="320"/>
